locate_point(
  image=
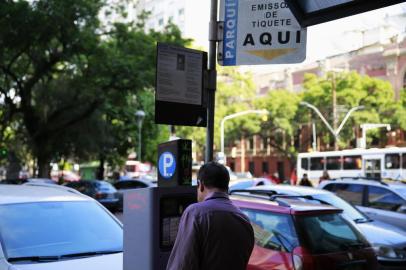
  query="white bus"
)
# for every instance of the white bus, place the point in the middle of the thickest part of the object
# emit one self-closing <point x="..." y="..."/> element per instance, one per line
<point x="386" y="163"/>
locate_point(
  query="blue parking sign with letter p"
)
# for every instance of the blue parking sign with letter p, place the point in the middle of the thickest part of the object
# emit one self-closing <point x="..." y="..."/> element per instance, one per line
<point x="167" y="165"/>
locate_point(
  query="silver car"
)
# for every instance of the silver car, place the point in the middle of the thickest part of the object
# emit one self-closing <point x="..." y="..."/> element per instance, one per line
<point x="378" y="200"/>
<point x="388" y="241"/>
<point x="52" y="227"/>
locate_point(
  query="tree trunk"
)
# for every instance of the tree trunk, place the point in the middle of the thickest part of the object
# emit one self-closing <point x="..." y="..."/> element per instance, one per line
<point x="14" y="166"/>
<point x="43" y="166"/>
<point x="100" y="170"/>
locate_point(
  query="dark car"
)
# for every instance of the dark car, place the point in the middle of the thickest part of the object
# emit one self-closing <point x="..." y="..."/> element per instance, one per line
<point x="123" y="185"/>
<point x="291" y="235"/>
<point x="102" y="191"/>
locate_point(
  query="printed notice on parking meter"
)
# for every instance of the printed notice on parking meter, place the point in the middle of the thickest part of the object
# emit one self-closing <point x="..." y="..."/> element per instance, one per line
<point x="179" y="75"/>
<point x="170" y="230"/>
<point x="258" y="32"/>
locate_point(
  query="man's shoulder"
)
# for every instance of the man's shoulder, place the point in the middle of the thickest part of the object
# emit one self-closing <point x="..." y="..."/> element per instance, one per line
<point x="212" y="206"/>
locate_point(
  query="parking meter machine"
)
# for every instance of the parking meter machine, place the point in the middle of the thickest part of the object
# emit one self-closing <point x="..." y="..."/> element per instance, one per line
<point x="152" y="215"/>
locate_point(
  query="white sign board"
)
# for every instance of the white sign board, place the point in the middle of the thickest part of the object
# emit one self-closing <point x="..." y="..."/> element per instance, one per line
<point x="259" y="32"/>
<point x="179" y="75"/>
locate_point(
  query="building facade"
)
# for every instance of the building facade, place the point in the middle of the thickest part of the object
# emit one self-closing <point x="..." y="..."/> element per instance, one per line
<point x="383" y="56"/>
<point x="186" y="14"/>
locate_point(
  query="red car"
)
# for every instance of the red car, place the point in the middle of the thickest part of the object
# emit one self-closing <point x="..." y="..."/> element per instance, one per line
<point x="294" y="235"/>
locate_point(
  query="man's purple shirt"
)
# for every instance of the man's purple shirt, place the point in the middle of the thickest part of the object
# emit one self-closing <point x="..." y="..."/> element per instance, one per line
<point x="213" y="234"/>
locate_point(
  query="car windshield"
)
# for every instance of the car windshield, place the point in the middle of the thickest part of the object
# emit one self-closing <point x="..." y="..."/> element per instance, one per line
<point x="349" y="211"/>
<point x="57" y="229"/>
<point x="329" y="233"/>
<point x="104" y="186"/>
<point x="401" y="189"/>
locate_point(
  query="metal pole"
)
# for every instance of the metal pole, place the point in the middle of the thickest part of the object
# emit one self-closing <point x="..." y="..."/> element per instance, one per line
<point x="320" y="115"/>
<point x="222" y="134"/>
<point x="212" y="80"/>
<point x="234" y="115"/>
<point x="139" y="140"/>
<point x="347" y="116"/>
<point x="314" y="137"/>
<point x="334" y="90"/>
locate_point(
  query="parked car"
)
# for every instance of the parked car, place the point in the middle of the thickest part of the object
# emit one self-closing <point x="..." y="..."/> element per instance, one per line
<point x="388" y="241"/>
<point x="102" y="191"/>
<point x="378" y="200"/>
<point x="55" y="227"/>
<point x="19" y="181"/>
<point x="244" y="175"/>
<point x="246" y="183"/>
<point x="291" y="234"/>
<point x="123" y="185"/>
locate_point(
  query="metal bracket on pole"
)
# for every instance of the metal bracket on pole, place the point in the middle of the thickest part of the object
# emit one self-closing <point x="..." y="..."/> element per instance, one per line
<point x="216" y="30"/>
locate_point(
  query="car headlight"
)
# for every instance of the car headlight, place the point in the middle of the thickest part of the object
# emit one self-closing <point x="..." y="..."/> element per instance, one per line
<point x="390" y="252"/>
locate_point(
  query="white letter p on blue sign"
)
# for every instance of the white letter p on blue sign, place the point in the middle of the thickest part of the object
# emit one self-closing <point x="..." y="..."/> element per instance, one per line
<point x="167" y="165"/>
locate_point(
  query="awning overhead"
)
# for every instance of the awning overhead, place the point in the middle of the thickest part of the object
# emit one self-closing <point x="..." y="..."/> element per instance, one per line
<point x="311" y="12"/>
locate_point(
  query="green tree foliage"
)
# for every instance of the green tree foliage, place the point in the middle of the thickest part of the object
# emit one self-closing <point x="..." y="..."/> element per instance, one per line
<point x="352" y="90"/>
<point x="281" y="126"/>
<point x="400" y="114"/>
<point x="235" y="93"/>
<point x="69" y="86"/>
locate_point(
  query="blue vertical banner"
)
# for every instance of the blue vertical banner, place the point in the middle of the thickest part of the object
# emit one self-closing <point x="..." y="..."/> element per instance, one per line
<point x="230" y="32"/>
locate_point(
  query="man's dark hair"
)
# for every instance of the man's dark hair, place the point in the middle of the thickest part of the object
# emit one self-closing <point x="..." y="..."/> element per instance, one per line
<point x="214" y="175"/>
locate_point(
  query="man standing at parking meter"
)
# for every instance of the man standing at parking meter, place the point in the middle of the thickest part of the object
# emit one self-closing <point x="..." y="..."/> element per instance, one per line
<point x="213" y="233"/>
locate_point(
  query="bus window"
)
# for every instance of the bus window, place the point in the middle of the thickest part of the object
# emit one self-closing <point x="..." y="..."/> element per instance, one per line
<point x="352" y="162"/>
<point x="305" y="163"/>
<point x="316" y="164"/>
<point x="392" y="161"/>
<point x="404" y="161"/>
<point x="333" y="163"/>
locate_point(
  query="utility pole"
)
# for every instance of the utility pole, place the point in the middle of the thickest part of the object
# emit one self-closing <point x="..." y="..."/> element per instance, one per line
<point x="335" y="118"/>
<point x="212" y="80"/>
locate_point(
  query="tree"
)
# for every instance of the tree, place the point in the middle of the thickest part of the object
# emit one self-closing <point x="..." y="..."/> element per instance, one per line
<point x="66" y="82"/>
<point x="352" y="90"/>
<point x="235" y="93"/>
<point x="280" y="128"/>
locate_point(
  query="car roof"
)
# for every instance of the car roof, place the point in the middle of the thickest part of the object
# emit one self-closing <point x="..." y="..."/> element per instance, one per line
<point x="10" y="194"/>
<point x="282" y="205"/>
<point x="369" y="182"/>
<point x="299" y="190"/>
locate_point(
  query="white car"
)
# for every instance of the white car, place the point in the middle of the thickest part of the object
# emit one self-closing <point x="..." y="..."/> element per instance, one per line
<point x="52" y="227"/>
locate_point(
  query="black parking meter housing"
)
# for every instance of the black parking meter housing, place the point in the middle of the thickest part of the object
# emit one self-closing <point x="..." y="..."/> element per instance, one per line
<point x="175" y="163"/>
<point x="152" y="215"/>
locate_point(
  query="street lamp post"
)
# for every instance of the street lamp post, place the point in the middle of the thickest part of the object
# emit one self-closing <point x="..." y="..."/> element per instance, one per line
<point x="140" y="115"/>
<point x="231" y="116"/>
<point x="333" y="131"/>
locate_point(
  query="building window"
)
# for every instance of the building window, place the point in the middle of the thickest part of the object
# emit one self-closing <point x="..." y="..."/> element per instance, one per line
<point x="265" y="167"/>
<point x="251" y="166"/>
<point x="161" y="22"/>
<point x="181" y="14"/>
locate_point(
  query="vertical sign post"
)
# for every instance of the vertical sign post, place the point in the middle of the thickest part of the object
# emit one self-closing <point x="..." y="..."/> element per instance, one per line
<point x="212" y="80"/>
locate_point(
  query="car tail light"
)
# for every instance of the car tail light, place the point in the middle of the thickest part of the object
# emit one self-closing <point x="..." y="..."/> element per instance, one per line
<point x="100" y="195"/>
